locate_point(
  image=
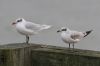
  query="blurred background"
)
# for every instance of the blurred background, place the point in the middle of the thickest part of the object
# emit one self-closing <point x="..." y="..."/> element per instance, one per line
<point x="78" y="15"/>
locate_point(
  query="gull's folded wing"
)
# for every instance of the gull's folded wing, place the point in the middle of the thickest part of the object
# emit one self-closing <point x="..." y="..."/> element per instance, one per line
<point x="77" y="35"/>
<point x="36" y="27"/>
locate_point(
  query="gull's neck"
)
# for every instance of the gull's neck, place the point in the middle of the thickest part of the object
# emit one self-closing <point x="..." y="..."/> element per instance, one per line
<point x="24" y="20"/>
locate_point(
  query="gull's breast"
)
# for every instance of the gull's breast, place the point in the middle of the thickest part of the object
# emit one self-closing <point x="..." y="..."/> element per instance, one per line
<point x="24" y="31"/>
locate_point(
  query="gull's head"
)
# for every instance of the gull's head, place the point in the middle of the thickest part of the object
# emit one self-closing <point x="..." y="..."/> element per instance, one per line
<point x="63" y="29"/>
<point x="19" y="20"/>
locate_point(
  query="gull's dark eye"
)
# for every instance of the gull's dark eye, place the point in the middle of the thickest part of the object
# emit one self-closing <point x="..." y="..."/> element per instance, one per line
<point x="64" y="29"/>
<point x="19" y="20"/>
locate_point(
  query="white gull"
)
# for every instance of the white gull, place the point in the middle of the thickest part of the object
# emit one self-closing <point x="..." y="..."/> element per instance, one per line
<point x="71" y="36"/>
<point x="28" y="28"/>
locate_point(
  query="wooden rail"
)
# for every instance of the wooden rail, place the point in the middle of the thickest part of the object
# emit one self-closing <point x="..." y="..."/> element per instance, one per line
<point x="40" y="55"/>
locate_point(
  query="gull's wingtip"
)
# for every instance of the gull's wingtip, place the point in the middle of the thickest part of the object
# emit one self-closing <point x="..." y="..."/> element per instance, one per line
<point x="88" y="32"/>
<point x="46" y="26"/>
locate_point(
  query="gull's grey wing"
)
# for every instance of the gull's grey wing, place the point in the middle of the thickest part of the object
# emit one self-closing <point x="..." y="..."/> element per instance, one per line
<point x="36" y="27"/>
<point x="33" y="26"/>
<point x="77" y="35"/>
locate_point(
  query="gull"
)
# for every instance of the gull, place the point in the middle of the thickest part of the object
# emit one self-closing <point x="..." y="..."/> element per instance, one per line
<point x="28" y="28"/>
<point x="71" y="36"/>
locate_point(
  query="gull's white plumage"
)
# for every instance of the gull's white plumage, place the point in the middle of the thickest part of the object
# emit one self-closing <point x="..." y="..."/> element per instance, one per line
<point x="70" y="36"/>
<point x="28" y="28"/>
<point x="36" y="27"/>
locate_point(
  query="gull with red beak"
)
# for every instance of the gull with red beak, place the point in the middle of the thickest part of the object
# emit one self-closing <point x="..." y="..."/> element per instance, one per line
<point x="71" y="36"/>
<point x="28" y="28"/>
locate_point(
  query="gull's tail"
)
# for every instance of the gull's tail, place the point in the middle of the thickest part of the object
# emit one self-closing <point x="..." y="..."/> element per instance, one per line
<point x="87" y="33"/>
<point x="45" y="27"/>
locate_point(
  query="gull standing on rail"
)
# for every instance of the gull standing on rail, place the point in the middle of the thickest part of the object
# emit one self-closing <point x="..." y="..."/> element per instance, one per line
<point x="71" y="37"/>
<point x="28" y="28"/>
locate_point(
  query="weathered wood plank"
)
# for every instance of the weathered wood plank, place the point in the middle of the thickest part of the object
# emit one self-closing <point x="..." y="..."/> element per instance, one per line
<point x="16" y="54"/>
<point x="57" y="56"/>
<point x="41" y="55"/>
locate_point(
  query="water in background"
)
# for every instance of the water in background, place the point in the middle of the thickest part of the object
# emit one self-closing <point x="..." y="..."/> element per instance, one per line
<point x="78" y="15"/>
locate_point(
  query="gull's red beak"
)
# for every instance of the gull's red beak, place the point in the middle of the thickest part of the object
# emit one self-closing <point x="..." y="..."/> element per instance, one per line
<point x="13" y="23"/>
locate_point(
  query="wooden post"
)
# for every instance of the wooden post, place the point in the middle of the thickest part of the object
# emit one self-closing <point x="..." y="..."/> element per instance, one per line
<point x="41" y="55"/>
<point x="16" y="54"/>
